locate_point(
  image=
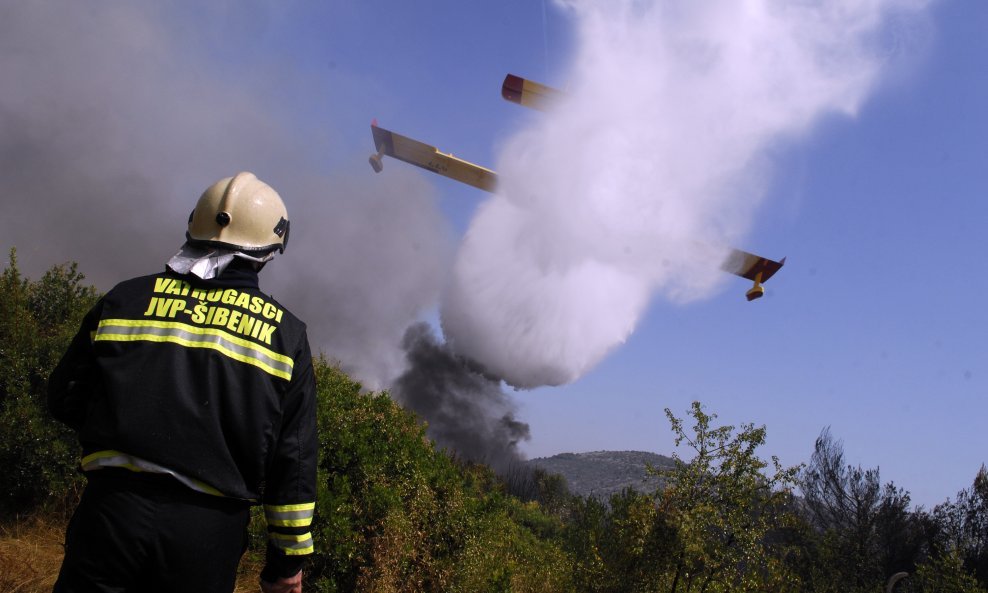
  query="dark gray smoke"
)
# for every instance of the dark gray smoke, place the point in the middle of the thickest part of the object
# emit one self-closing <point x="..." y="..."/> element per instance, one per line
<point x="114" y="117"/>
<point x="466" y="408"/>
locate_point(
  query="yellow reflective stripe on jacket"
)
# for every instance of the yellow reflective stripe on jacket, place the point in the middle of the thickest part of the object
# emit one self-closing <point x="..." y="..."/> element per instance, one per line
<point x="292" y="545"/>
<point x="101" y="459"/>
<point x="290" y="515"/>
<point x="190" y="336"/>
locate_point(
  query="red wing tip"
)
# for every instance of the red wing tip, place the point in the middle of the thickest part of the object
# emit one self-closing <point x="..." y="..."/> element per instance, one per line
<point x="374" y="123"/>
<point x="512" y="87"/>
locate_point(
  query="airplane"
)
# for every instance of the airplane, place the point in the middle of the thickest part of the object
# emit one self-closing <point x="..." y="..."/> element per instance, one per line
<point x="532" y="94"/>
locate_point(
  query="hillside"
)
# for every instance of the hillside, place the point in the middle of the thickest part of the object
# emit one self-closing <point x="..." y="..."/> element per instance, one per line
<point x="603" y="473"/>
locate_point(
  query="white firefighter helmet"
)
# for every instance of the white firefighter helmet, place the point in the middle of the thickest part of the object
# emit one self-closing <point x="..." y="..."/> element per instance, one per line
<point x="241" y="213"/>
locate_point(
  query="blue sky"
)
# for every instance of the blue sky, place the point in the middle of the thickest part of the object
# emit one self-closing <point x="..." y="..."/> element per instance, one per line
<point x="876" y="327"/>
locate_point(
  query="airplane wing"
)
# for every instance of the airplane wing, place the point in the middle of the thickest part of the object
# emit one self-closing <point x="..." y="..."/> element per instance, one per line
<point x="528" y="93"/>
<point x="428" y="157"/>
<point x="756" y="268"/>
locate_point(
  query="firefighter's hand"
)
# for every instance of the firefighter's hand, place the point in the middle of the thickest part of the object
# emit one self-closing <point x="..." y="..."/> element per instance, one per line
<point x="283" y="585"/>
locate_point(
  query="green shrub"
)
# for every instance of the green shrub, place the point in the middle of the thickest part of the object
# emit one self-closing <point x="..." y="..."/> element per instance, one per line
<point x="944" y="574"/>
<point x="395" y="514"/>
<point x="39" y="456"/>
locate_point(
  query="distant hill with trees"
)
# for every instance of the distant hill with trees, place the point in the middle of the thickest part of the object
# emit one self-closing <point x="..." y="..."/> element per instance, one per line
<point x="602" y="474"/>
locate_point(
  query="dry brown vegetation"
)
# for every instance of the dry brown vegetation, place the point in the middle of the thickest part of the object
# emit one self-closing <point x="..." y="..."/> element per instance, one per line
<point x="31" y="554"/>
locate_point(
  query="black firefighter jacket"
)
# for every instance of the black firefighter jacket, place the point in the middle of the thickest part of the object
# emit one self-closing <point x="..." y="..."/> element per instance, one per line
<point x="210" y="381"/>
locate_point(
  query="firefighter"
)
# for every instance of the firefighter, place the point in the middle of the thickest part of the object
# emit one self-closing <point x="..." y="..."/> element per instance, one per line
<point x="193" y="396"/>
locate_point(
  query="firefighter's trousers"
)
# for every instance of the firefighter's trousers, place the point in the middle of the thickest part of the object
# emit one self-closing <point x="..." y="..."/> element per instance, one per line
<point x="149" y="533"/>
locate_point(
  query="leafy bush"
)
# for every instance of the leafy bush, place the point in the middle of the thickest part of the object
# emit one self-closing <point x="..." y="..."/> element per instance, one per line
<point x="944" y="574"/>
<point x="395" y="514"/>
<point x="39" y="456"/>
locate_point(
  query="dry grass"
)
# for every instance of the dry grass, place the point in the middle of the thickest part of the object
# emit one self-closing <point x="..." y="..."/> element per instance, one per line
<point x="31" y="554"/>
<point x="247" y="574"/>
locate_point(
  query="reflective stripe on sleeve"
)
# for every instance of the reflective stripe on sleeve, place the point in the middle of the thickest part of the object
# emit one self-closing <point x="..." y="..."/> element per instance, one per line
<point x="191" y="336"/>
<point x="292" y="545"/>
<point x="289" y="515"/>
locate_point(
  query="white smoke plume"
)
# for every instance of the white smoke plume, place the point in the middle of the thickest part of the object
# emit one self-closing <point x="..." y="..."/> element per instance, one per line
<point x="654" y="162"/>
